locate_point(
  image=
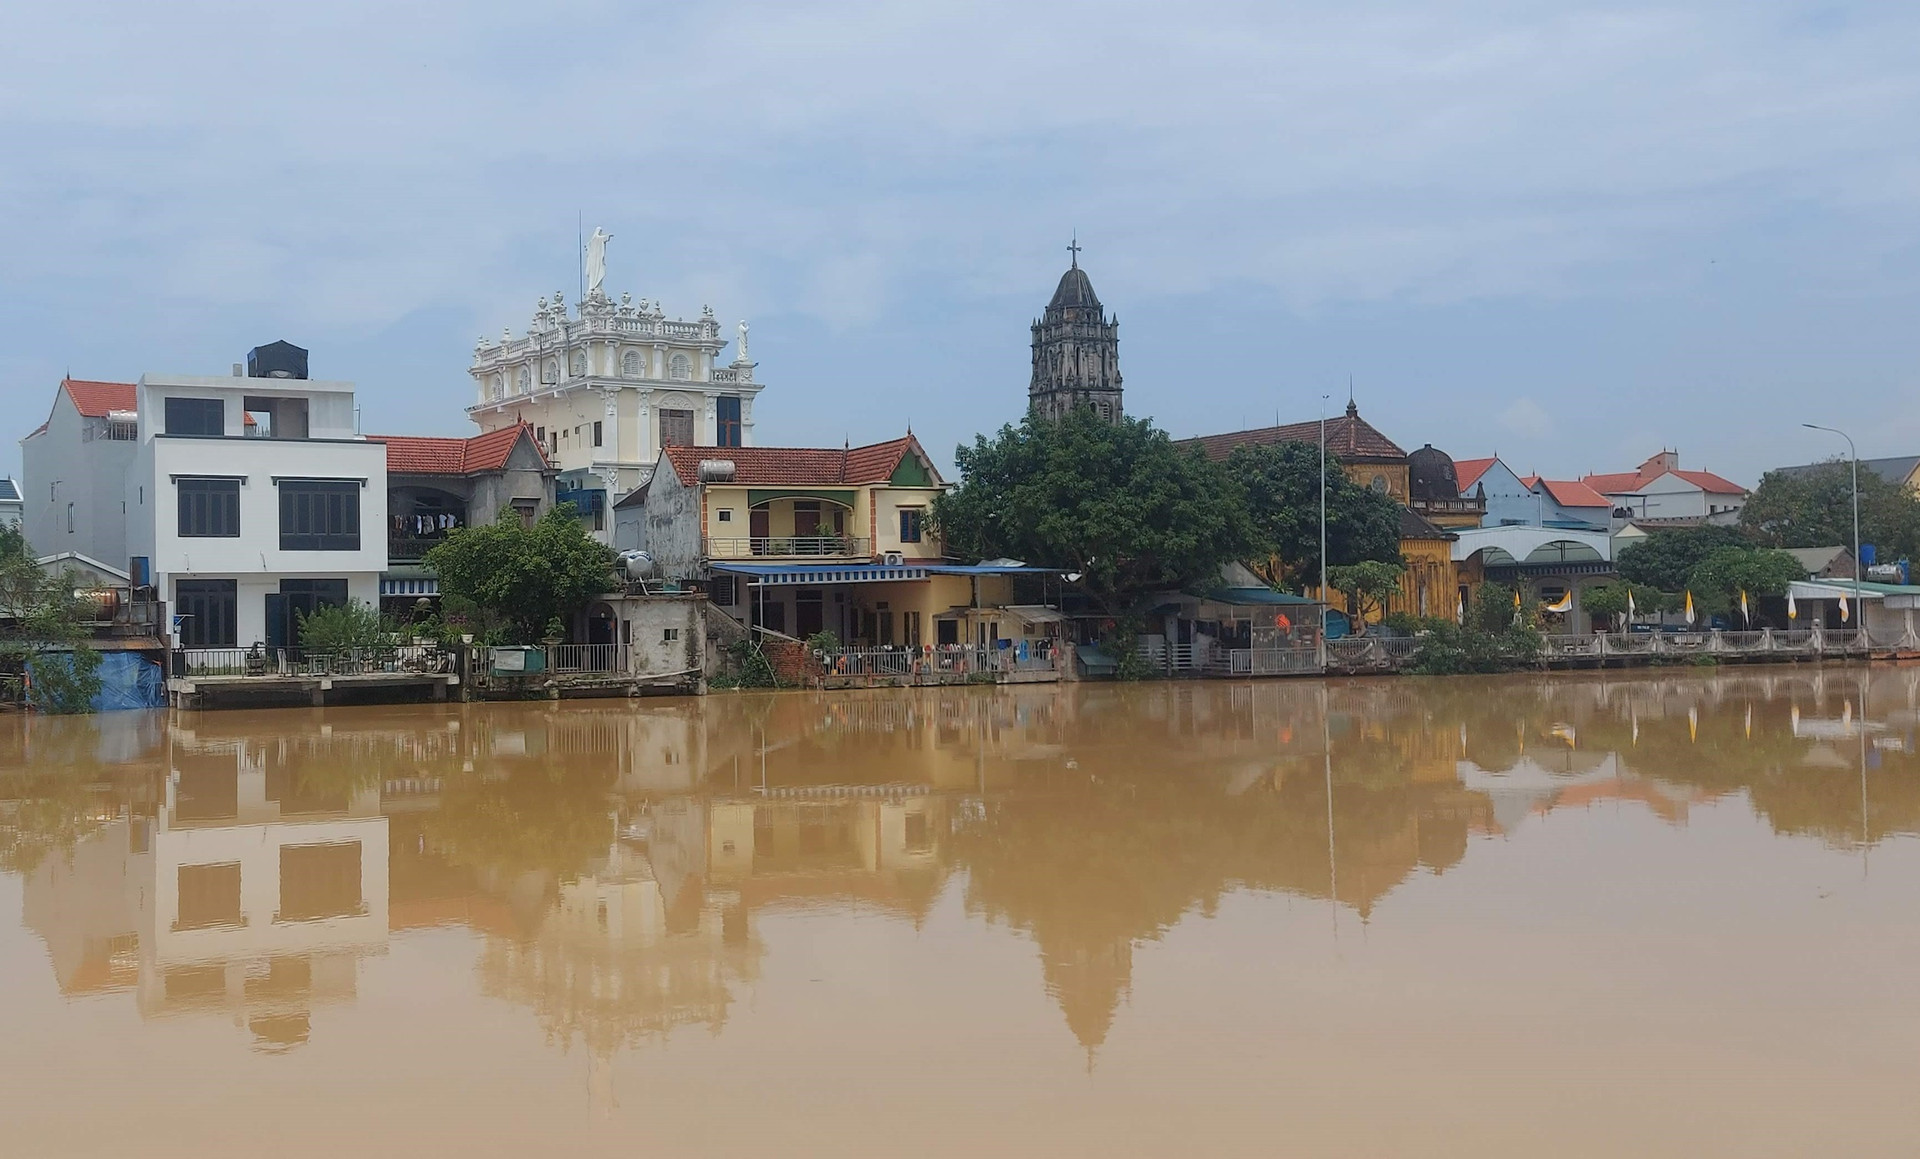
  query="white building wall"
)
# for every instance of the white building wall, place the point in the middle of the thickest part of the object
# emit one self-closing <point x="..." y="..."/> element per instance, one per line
<point x="72" y="488"/>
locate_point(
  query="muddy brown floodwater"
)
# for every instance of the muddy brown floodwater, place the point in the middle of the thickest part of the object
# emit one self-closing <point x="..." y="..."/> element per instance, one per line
<point x="1672" y="915"/>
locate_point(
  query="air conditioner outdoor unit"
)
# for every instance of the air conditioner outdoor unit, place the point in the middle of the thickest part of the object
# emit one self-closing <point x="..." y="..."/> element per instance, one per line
<point x="892" y="558"/>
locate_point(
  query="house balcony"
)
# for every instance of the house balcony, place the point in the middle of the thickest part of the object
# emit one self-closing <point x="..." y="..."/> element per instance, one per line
<point x="412" y="548"/>
<point x="788" y="547"/>
<point x="1466" y="507"/>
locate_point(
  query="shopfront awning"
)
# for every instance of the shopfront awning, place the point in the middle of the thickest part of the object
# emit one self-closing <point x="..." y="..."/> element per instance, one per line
<point x="783" y="574"/>
<point x="427" y="586"/>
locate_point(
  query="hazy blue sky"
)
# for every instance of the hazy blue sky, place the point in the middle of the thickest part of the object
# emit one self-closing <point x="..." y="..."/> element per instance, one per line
<point x="1567" y="232"/>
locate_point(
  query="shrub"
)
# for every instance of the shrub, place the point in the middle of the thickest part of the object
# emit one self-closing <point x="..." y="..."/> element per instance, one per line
<point x="65" y="682"/>
<point x="1449" y="650"/>
<point x="344" y="627"/>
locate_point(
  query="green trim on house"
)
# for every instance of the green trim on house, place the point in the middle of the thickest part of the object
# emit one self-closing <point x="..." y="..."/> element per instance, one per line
<point x="758" y="495"/>
<point x="911" y="472"/>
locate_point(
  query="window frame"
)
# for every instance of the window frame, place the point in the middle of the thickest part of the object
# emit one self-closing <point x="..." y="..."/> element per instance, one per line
<point x="187" y="417"/>
<point x="223" y="523"/>
<point x="728" y="424"/>
<point x="302" y="500"/>
<point x="918" y="517"/>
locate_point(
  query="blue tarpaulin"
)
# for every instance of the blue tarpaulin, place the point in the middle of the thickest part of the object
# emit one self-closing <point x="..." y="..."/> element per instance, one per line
<point x="127" y="680"/>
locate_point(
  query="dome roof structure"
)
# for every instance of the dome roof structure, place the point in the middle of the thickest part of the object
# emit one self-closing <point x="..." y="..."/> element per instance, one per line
<point x="1430" y="475"/>
<point x="1074" y="290"/>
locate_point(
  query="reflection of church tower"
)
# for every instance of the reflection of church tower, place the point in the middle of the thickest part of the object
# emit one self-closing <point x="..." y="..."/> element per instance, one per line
<point x="1076" y="351"/>
<point x="1088" y="982"/>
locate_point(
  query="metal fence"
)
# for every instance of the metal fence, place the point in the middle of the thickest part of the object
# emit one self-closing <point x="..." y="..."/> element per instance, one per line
<point x="1273" y="661"/>
<point x="828" y="546"/>
<point x="1371" y="651"/>
<point x="589" y="658"/>
<point x="944" y="661"/>
<point x="202" y="663"/>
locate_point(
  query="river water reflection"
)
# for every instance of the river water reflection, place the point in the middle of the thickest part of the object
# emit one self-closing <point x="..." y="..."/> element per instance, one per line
<point x="1673" y="915"/>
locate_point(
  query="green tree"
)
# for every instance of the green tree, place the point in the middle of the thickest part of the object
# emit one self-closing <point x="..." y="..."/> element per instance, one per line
<point x="43" y="629"/>
<point x="525" y="577"/>
<point x="1665" y="559"/>
<point x="1718" y="580"/>
<point x="1281" y="483"/>
<point x="1814" y="508"/>
<point x="1115" y="502"/>
<point x="1369" y="583"/>
<point x="1611" y="600"/>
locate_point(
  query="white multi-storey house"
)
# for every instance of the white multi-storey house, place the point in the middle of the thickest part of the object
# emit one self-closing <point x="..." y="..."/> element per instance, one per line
<point x="253" y="500"/>
<point x="608" y="384"/>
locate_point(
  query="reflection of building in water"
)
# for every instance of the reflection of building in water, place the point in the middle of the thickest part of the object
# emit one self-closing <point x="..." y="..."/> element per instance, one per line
<point x="247" y="889"/>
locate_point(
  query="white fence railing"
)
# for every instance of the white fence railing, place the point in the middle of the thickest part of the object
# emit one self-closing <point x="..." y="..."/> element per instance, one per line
<point x="1273" y="661"/>
<point x="260" y="661"/>
<point x="610" y="658"/>
<point x="945" y="661"/>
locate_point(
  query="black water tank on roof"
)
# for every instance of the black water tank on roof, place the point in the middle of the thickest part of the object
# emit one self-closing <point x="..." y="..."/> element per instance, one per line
<point x="277" y="360"/>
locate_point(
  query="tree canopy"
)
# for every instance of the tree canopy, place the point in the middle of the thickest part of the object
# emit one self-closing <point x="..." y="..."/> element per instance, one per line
<point x="1665" y="559"/>
<point x="1814" y="508"/>
<point x="1724" y="574"/>
<point x="1115" y="502"/>
<point x="526" y="577"/>
<point x="41" y="619"/>
<point x="1281" y="486"/>
<point x="1370" y="583"/>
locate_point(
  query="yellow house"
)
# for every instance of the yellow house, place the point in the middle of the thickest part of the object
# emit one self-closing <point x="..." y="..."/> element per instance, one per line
<point x="800" y="540"/>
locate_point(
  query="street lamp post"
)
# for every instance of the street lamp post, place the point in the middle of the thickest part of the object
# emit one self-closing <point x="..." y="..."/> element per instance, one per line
<point x="1325" y="599"/>
<point x="1859" y="610"/>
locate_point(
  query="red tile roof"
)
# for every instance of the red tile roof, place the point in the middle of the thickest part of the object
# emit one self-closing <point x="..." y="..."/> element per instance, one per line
<point x="1350" y="438"/>
<point x="434" y="455"/>
<point x="1572" y="493"/>
<point x="1621" y="482"/>
<point x="800" y="466"/>
<point x="96" y="399"/>
<point x="1468" y="471"/>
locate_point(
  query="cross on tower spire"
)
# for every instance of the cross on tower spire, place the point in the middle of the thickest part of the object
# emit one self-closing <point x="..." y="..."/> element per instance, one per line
<point x="1073" y="247"/>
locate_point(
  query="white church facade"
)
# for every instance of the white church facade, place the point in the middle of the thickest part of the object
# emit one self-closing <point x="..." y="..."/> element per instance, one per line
<point x="605" y="385"/>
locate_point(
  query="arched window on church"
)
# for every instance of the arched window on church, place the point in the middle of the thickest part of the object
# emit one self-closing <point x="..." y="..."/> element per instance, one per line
<point x="526" y="379"/>
<point x="630" y="364"/>
<point x="681" y="367"/>
<point x="551" y="372"/>
<point x="579" y="364"/>
<point x="496" y="386"/>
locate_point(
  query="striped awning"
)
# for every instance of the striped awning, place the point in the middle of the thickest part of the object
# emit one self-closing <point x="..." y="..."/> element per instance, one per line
<point x="409" y="587"/>
<point x="777" y="574"/>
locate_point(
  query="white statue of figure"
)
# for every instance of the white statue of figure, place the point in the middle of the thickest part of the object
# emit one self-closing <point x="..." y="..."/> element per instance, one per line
<point x="740" y="352"/>
<point x="597" y="259"/>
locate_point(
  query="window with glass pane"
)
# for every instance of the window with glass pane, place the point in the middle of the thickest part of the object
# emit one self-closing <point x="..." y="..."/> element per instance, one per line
<point x="196" y="416"/>
<point x="209" y="508"/>
<point x="911" y="519"/>
<point x="319" y="515"/>
<point x="727" y="421"/>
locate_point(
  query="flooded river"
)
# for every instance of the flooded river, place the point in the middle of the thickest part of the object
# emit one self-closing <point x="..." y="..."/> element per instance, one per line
<point x="1661" y="915"/>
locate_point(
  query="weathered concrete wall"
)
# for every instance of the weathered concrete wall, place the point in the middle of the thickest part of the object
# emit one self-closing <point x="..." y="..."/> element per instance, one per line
<point x="673" y="524"/>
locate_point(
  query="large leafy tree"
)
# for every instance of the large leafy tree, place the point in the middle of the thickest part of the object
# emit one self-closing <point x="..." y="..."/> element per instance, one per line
<point x="1718" y="580"/>
<point x="1814" y="508"/>
<point x="1115" y="502"/>
<point x="1665" y="559"/>
<point x="41" y="620"/>
<point x="1281" y="483"/>
<point x="524" y="577"/>
<point x="1370" y="583"/>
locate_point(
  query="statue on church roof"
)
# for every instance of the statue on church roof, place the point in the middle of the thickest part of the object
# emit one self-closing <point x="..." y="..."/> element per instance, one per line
<point x="597" y="259"/>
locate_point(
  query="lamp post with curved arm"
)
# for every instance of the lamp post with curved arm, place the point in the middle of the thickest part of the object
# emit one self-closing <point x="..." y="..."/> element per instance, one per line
<point x="1858" y="608"/>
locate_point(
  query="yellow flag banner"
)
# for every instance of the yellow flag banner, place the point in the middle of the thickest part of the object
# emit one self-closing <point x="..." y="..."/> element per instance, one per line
<point x="1563" y="604"/>
<point x="1689" y="605"/>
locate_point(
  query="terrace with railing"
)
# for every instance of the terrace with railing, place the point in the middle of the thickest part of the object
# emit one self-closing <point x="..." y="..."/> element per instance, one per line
<point x="789" y="546"/>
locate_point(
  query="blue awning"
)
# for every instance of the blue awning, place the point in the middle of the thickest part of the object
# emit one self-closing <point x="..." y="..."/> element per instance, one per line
<point x="824" y="573"/>
<point x="988" y="569"/>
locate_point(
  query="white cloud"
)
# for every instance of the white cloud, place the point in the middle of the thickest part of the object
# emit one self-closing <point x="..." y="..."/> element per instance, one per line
<point x="1526" y="418"/>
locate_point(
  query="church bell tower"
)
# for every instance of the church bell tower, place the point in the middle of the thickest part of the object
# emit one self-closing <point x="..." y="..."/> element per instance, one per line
<point x="1076" y="351"/>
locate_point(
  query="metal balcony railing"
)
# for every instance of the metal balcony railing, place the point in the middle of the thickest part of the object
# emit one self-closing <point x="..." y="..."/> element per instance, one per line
<point x="800" y="546"/>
